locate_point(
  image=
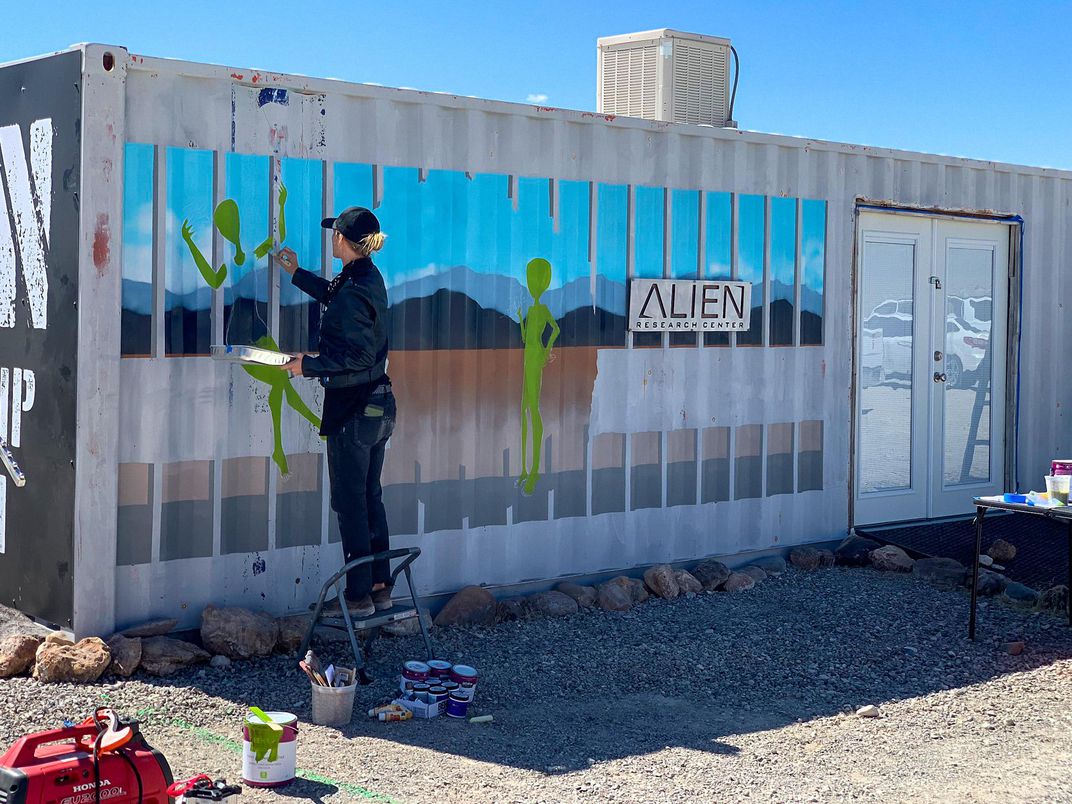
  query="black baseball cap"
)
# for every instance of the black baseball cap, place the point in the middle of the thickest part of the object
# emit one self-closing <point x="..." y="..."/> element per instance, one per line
<point x="353" y="223"/>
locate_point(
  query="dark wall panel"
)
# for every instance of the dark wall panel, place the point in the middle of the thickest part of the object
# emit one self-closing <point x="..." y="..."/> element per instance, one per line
<point x="40" y="114"/>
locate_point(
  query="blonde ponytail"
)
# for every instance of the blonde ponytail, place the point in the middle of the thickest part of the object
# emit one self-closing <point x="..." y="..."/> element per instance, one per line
<point x="369" y="244"/>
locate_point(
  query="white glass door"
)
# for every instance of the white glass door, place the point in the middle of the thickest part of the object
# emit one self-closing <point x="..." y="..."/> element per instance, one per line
<point x="968" y="342"/>
<point x="930" y="384"/>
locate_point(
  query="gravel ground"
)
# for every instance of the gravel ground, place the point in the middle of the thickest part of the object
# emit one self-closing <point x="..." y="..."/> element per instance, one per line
<point x="721" y="697"/>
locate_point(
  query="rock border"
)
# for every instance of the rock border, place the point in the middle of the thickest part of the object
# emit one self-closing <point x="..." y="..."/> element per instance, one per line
<point x="238" y="634"/>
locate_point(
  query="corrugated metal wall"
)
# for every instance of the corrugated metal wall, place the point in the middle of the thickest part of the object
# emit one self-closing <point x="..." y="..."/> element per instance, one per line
<point x="657" y="454"/>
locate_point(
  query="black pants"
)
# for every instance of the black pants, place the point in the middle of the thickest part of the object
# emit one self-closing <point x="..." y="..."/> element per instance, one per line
<point x="355" y="460"/>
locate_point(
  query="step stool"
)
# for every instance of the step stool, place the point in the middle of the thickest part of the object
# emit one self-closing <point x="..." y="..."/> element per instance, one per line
<point x="373" y="623"/>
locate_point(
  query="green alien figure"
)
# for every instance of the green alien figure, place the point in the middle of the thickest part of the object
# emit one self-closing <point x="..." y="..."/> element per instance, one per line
<point x="537" y="355"/>
<point x="227" y="222"/>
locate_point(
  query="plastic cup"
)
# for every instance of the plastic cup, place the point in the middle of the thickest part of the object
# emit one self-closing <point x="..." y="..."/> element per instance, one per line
<point x="1057" y="486"/>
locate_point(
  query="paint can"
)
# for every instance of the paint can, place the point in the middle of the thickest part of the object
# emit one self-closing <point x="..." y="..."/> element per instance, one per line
<point x="413" y="672"/>
<point x="437" y="694"/>
<point x="268" y="772"/>
<point x="457" y="705"/>
<point x="465" y="677"/>
<point x="1061" y="466"/>
<point x="439" y="668"/>
<point x="420" y="691"/>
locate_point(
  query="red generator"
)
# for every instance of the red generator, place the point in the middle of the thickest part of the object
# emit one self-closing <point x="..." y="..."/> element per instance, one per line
<point x="99" y="760"/>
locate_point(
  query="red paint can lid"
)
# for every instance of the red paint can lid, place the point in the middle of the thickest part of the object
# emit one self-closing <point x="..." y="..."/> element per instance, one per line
<point x="463" y="672"/>
<point x="439" y="667"/>
<point x="416" y="667"/>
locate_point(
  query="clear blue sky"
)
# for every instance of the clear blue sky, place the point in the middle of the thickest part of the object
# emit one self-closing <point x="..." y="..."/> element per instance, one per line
<point x="982" y="79"/>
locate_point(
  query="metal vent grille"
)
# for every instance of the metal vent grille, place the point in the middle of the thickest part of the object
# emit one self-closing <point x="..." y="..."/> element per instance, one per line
<point x="629" y="82"/>
<point x="665" y="75"/>
<point x="699" y="85"/>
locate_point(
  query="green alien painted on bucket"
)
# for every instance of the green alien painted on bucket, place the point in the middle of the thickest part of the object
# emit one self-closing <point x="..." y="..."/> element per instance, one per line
<point x="226" y="220"/>
<point x="534" y="324"/>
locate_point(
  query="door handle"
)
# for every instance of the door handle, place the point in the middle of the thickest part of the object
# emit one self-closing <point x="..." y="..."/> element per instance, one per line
<point x="939" y="377"/>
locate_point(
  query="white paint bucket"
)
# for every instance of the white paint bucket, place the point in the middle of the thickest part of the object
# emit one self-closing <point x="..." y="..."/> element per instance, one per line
<point x="266" y="772"/>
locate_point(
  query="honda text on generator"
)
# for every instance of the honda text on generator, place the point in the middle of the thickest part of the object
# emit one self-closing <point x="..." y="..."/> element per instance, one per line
<point x="102" y="759"/>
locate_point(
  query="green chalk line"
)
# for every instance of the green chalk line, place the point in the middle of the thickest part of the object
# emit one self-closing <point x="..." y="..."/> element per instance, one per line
<point x="212" y="738"/>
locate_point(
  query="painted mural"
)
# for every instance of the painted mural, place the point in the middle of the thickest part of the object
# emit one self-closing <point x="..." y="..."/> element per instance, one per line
<point x="503" y="291"/>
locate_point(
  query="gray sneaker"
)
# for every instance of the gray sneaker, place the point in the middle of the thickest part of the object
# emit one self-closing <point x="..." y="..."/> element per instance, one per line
<point x="358" y="608"/>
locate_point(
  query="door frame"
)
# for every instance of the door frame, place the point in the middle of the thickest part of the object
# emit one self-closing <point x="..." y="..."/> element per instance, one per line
<point x="1015" y="223"/>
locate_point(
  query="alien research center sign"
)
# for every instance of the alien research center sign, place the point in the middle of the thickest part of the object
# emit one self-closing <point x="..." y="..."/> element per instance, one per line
<point x="683" y="305"/>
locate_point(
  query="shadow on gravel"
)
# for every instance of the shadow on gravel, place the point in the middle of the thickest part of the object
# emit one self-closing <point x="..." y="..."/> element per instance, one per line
<point x="307" y="790"/>
<point x="567" y="693"/>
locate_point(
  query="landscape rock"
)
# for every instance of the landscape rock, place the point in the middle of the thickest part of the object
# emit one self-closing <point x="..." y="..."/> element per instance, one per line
<point x="79" y="663"/>
<point x="687" y="582"/>
<point x="827" y="559"/>
<point x="738" y="582"/>
<point x="553" y="604"/>
<point x="985" y="560"/>
<point x="757" y="574"/>
<point x="162" y="656"/>
<point x="711" y="574"/>
<point x="1019" y="595"/>
<point x="805" y="558"/>
<point x="771" y="565"/>
<point x="17" y="654"/>
<point x="990" y="583"/>
<point x="1014" y="648"/>
<point x="890" y="558"/>
<point x="58" y="638"/>
<point x="150" y="629"/>
<point x="612" y="596"/>
<point x="855" y="551"/>
<point x="945" y="573"/>
<point x="1054" y="599"/>
<point x="661" y="581"/>
<point x="14" y="623"/>
<point x="509" y="610"/>
<point x="220" y="662"/>
<point x="126" y="655"/>
<point x="473" y="605"/>
<point x="869" y="711"/>
<point x="639" y="591"/>
<point x="1002" y="552"/>
<point x="411" y="626"/>
<point x="292" y="631"/>
<point x="584" y="595"/>
<point x="238" y="633"/>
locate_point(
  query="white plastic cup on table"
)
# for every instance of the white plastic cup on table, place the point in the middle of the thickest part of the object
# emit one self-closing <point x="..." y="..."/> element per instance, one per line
<point x="1057" y="486"/>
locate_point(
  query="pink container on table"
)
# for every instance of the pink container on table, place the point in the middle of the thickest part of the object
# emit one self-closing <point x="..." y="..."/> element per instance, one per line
<point x="1061" y="466"/>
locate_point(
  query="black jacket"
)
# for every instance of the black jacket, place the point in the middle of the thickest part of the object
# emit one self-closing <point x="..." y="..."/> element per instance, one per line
<point x="353" y="328"/>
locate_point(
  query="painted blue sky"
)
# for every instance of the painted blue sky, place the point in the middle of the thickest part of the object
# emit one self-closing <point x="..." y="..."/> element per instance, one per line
<point x="985" y="79"/>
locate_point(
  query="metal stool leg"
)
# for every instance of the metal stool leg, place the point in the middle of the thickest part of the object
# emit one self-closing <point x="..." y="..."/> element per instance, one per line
<point x="420" y="616"/>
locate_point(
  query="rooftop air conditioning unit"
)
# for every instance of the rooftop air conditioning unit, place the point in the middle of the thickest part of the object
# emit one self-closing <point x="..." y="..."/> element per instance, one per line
<point x="665" y="75"/>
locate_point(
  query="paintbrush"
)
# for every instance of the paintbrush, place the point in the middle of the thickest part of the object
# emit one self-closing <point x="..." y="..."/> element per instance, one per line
<point x="313" y="676"/>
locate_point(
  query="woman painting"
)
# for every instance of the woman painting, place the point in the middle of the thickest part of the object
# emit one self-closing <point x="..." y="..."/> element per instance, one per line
<point x="359" y="406"/>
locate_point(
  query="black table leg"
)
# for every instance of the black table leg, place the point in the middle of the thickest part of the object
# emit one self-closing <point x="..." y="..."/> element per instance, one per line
<point x="979" y="514"/>
<point x="1068" y="594"/>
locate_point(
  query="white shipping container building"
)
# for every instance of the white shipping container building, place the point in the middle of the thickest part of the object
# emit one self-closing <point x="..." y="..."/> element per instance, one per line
<point x="895" y="359"/>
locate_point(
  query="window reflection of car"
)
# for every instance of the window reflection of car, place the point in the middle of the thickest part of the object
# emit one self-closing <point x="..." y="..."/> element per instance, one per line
<point x="965" y="352"/>
<point x="871" y="359"/>
<point x="975" y="311"/>
<point x="895" y="332"/>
